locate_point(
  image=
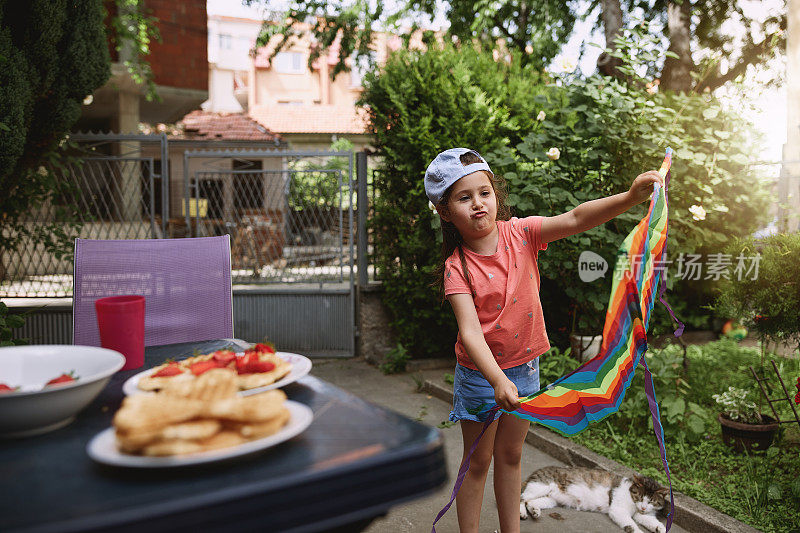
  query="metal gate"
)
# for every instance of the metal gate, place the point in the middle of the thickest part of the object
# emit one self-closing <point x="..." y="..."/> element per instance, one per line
<point x="290" y="216"/>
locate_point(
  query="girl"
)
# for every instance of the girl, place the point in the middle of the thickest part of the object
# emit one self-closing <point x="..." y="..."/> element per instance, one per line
<point x="491" y="278"/>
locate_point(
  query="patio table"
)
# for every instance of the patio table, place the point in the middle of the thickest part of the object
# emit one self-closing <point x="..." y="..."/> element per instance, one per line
<point x="354" y="462"/>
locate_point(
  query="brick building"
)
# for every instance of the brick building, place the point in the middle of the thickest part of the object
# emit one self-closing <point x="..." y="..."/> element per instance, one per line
<point x="180" y="71"/>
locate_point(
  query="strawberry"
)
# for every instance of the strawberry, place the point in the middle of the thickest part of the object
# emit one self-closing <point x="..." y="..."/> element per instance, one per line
<point x="243" y="362"/>
<point x="263" y="348"/>
<point x="62" y="379"/>
<point x="171" y="369"/>
<point x="251" y="364"/>
<point x="5" y="388"/>
<point x="224" y="357"/>
<point x="261" y="366"/>
<point x="203" y="366"/>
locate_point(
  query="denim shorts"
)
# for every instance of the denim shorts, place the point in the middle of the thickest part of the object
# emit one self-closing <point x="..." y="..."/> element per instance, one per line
<point x="471" y="390"/>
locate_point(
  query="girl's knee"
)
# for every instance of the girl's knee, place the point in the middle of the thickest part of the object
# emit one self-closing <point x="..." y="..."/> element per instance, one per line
<point x="508" y="455"/>
<point x="479" y="463"/>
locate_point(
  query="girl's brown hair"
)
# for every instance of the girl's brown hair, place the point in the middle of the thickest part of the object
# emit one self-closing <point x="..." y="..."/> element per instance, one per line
<point x="451" y="238"/>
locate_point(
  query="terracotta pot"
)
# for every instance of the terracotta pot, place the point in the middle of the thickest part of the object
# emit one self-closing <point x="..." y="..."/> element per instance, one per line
<point x="753" y="437"/>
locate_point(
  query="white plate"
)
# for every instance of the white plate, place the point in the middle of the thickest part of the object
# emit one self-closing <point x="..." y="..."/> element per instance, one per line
<point x="301" y="365"/>
<point x="103" y="447"/>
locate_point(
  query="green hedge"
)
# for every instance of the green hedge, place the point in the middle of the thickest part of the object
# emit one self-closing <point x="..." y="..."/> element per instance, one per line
<point x="421" y="103"/>
<point x="52" y="55"/>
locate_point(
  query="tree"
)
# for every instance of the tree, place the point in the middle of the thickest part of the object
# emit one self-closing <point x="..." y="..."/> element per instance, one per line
<point x="539" y="29"/>
<point x="53" y="53"/>
<point x="707" y="54"/>
<point x="612" y="25"/>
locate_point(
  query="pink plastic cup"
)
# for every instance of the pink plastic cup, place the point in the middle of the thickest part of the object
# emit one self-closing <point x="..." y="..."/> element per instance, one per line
<point x="120" y="320"/>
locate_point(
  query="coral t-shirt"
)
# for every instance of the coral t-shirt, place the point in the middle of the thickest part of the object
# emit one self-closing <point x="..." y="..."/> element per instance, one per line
<point x="507" y="293"/>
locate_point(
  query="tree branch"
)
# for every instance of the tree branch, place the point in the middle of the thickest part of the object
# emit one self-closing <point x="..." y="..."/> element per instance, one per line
<point x="750" y="56"/>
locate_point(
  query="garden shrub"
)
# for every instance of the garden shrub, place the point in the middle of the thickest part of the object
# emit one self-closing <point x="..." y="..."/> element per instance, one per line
<point x="419" y="104"/>
<point x="607" y="132"/>
<point x="52" y="55"/>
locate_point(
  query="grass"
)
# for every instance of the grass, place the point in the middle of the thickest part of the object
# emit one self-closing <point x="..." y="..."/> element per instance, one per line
<point x="761" y="489"/>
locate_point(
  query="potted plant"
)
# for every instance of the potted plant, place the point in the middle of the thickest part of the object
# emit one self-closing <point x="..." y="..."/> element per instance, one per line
<point x="743" y="425"/>
<point x="583" y="338"/>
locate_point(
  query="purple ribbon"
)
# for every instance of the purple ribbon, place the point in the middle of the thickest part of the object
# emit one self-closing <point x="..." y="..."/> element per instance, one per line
<point x="659" y="432"/>
<point x="648" y="381"/>
<point x="662" y="285"/>
<point x="462" y="472"/>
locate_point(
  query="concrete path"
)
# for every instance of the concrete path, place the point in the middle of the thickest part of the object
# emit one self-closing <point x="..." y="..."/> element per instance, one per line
<point x="399" y="392"/>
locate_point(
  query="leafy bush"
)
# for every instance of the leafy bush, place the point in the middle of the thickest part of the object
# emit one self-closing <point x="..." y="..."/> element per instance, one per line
<point x="607" y="133"/>
<point x="724" y="357"/>
<point x="52" y="55"/>
<point x="396" y="360"/>
<point x="555" y="364"/>
<point x="310" y="190"/>
<point x="420" y="104"/>
<point x="7" y="323"/>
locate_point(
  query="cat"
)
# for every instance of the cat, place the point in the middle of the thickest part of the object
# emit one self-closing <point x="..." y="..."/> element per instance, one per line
<point x="627" y="501"/>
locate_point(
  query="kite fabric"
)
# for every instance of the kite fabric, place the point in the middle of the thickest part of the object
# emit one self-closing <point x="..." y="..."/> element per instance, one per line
<point x="596" y="389"/>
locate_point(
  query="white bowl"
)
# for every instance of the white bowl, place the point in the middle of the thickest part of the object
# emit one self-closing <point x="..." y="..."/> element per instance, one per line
<point x="35" y="409"/>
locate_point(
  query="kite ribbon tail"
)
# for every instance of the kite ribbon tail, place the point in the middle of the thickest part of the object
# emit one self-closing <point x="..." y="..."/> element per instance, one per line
<point x="678" y="332"/>
<point x="659" y="431"/>
<point x="462" y="472"/>
<point x="662" y="285"/>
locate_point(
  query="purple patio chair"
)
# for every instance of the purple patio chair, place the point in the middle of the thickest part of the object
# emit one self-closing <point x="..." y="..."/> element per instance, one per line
<point x="186" y="284"/>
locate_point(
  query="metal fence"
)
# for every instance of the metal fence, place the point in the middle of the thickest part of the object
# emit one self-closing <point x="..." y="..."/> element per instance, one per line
<point x="292" y="216"/>
<point x="106" y="188"/>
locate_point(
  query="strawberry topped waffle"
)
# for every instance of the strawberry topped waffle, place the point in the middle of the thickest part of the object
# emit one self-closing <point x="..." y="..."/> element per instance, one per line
<point x="256" y="367"/>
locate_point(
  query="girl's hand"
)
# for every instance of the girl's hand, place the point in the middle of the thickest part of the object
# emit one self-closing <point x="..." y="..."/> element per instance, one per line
<point x="642" y="186"/>
<point x="506" y="395"/>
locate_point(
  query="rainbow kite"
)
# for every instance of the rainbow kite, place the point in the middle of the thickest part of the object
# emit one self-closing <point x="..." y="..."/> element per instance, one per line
<point x="595" y="389"/>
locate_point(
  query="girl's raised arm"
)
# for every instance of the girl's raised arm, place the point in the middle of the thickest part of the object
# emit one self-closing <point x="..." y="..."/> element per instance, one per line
<point x="595" y="212"/>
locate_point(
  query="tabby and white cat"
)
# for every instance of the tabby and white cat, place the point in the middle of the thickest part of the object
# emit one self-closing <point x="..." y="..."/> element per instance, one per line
<point x="626" y="501"/>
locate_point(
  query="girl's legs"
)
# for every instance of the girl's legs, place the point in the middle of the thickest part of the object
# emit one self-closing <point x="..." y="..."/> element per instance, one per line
<point x="470" y="497"/>
<point x="508" y="441"/>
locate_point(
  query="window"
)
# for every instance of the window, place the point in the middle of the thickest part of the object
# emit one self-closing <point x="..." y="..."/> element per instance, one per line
<point x="225" y="41"/>
<point x="289" y="63"/>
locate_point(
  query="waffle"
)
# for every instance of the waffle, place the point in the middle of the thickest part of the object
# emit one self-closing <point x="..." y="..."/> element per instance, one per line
<point x="197" y="415"/>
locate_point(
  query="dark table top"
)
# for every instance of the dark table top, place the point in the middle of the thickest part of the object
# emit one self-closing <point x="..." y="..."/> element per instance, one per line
<point x="355" y="461"/>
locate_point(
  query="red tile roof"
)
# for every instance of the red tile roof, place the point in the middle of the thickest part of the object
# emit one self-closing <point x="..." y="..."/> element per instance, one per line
<point x="315" y="118"/>
<point x="205" y="125"/>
